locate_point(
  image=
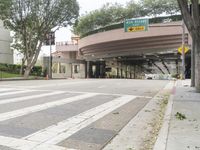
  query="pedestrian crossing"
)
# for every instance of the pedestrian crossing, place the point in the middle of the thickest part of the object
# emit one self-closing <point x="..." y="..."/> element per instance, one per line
<point x="48" y="138"/>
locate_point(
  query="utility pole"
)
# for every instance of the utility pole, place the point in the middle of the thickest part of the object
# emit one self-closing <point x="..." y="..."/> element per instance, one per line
<point x="183" y="51"/>
<point x="50" y="58"/>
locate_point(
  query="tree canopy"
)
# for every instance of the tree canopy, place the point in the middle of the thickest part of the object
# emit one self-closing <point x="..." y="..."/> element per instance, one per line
<point x="158" y="7"/>
<point x="31" y="20"/>
<point x="106" y="15"/>
<point x="115" y="13"/>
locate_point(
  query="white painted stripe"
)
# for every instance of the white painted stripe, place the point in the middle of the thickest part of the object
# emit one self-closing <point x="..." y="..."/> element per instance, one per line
<point x="61" y="84"/>
<point x="28" y="110"/>
<point x="57" y="133"/>
<point x="102" y="86"/>
<point x="19" y="99"/>
<point x="147" y="97"/>
<point x="26" y="145"/>
<point x="16" y="92"/>
<point x="5" y="89"/>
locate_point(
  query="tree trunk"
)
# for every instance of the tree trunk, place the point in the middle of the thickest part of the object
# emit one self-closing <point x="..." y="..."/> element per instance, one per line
<point x="27" y="72"/>
<point x="197" y="64"/>
<point x="22" y="67"/>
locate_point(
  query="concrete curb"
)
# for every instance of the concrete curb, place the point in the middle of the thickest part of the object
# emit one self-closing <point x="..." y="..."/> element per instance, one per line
<point x="161" y="142"/>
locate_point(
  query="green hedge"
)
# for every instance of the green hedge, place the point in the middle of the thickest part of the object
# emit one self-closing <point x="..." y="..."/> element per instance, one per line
<point x="15" y="69"/>
<point x="121" y="25"/>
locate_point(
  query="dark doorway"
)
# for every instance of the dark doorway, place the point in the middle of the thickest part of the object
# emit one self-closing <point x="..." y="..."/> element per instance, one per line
<point x="97" y="69"/>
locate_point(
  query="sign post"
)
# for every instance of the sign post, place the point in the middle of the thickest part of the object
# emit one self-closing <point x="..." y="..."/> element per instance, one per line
<point x="50" y="40"/>
<point x="183" y="51"/>
<point x="136" y="25"/>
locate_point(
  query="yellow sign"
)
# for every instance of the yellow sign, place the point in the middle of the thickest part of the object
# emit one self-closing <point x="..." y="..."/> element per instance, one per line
<point x="186" y="49"/>
<point x="137" y="28"/>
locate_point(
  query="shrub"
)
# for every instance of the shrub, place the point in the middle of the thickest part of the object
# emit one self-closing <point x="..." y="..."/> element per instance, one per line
<point x="15" y="69"/>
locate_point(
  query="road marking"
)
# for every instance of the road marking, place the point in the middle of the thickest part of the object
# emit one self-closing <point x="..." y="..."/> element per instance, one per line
<point x="27" y="145"/>
<point x="62" y="130"/>
<point x="109" y="94"/>
<point x="5" y="89"/>
<point x="28" y="110"/>
<point x="102" y="86"/>
<point x="147" y="97"/>
<point x="16" y="92"/>
<point x="19" y="99"/>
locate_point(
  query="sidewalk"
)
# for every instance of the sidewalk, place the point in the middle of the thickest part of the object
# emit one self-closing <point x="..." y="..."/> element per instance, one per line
<point x="179" y="132"/>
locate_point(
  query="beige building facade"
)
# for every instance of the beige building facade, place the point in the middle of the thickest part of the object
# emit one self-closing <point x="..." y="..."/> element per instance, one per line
<point x="6" y="54"/>
<point x="65" y="61"/>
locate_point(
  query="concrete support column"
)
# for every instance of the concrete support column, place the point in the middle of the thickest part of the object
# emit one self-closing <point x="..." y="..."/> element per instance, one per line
<point x="134" y="70"/>
<point x="88" y="69"/>
<point x="117" y="69"/>
<point x="177" y="67"/>
<point x="130" y="72"/>
<point x="121" y="70"/>
<point x="126" y="72"/>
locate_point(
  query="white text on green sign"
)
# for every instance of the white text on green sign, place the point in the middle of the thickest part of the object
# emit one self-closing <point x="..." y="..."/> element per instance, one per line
<point x="134" y="25"/>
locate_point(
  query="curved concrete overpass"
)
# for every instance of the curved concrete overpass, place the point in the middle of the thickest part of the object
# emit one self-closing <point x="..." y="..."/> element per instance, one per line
<point x="160" y="38"/>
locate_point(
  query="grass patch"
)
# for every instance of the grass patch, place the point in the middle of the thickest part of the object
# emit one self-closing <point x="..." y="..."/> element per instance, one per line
<point x="8" y="75"/>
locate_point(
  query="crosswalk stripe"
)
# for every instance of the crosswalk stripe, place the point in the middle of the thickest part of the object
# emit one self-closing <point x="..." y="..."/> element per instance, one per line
<point x="62" y="130"/>
<point x="5" y="89"/>
<point x="19" y="99"/>
<point x="26" y="145"/>
<point x="15" y="92"/>
<point x="28" y="110"/>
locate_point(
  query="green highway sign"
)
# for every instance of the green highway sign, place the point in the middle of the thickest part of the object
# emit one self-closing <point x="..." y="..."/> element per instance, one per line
<point x="135" y="25"/>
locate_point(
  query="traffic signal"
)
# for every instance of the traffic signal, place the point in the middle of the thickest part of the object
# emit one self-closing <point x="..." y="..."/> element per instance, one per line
<point x="50" y="38"/>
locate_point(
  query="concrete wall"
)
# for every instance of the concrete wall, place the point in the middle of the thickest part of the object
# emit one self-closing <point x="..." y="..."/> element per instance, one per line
<point x="6" y="54"/>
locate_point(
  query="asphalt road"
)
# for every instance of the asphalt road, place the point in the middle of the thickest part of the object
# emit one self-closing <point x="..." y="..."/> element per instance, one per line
<point x="73" y="114"/>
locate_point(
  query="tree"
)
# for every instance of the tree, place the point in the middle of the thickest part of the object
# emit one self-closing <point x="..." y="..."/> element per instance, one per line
<point x="158" y="7"/>
<point x="134" y="10"/>
<point x="31" y="20"/>
<point x="106" y="15"/>
<point x="192" y="22"/>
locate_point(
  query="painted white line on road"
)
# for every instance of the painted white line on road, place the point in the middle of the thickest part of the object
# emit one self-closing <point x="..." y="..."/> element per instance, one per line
<point x="26" y="145"/>
<point x="16" y="92"/>
<point x="148" y="97"/>
<point x="62" y="130"/>
<point x="19" y="99"/>
<point x="60" y="84"/>
<point x="5" y="89"/>
<point x="109" y="94"/>
<point x="29" y="110"/>
<point x="102" y="86"/>
<point x="52" y="84"/>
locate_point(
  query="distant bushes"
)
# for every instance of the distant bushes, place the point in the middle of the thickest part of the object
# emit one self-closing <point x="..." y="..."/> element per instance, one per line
<point x="15" y="69"/>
